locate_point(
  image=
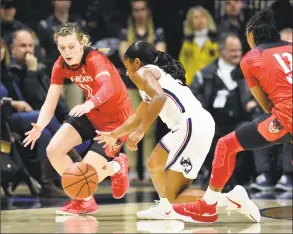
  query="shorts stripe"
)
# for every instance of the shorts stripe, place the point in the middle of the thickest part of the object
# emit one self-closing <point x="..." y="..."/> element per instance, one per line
<point x="183" y="145"/>
<point x="164" y="146"/>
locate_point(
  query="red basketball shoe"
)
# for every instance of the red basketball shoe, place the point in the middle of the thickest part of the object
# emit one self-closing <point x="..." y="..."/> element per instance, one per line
<point x="76" y="207"/>
<point x="120" y="181"/>
<point x="199" y="211"/>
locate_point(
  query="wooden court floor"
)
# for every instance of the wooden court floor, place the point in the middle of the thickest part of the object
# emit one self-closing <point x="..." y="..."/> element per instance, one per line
<point x="119" y="216"/>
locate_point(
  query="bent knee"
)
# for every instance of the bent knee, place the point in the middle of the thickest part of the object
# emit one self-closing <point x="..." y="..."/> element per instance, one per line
<point x="55" y="149"/>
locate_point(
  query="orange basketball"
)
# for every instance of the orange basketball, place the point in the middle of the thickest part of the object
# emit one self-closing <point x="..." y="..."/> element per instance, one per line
<point x="80" y="181"/>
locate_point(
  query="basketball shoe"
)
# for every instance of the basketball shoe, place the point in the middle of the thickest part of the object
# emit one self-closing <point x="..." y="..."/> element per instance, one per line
<point x="161" y="211"/>
<point x="237" y="200"/>
<point x="120" y="181"/>
<point x="76" y="207"/>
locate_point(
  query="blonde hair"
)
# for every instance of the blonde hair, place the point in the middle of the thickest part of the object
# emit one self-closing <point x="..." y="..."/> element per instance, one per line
<point x="69" y="29"/>
<point x="188" y="26"/>
<point x="131" y="32"/>
<point x="7" y="55"/>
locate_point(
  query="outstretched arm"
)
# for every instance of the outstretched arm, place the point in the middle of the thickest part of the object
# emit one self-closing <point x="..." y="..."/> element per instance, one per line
<point x="130" y="125"/>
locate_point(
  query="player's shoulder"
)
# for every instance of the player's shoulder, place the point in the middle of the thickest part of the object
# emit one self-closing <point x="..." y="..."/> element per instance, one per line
<point x="252" y="57"/>
<point x="59" y="63"/>
<point x="94" y="55"/>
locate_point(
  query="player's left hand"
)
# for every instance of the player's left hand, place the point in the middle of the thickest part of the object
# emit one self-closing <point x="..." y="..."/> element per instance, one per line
<point x="105" y="137"/>
<point x="133" y="139"/>
<point x="79" y="110"/>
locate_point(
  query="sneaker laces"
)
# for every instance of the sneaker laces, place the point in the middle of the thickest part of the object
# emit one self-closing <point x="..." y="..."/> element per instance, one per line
<point x="198" y="206"/>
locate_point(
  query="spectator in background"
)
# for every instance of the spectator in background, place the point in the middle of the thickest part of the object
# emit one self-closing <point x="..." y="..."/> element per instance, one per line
<point x="20" y="122"/>
<point x="9" y="25"/>
<point x="140" y="27"/>
<point x="73" y="94"/>
<point x="29" y="75"/>
<point x="286" y="34"/>
<point x="199" y="47"/>
<point x="222" y="89"/>
<point x="234" y="20"/>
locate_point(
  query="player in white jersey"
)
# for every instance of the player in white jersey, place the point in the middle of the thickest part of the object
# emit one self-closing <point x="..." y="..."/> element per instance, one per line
<point x="178" y="157"/>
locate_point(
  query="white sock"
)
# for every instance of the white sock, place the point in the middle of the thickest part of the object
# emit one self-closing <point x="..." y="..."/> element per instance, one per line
<point x="211" y="197"/>
<point x="222" y="200"/>
<point x="115" y="165"/>
<point x="87" y="199"/>
<point x="165" y="204"/>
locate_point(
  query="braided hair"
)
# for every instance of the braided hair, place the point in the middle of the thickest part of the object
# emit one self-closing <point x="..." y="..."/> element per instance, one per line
<point x="263" y="27"/>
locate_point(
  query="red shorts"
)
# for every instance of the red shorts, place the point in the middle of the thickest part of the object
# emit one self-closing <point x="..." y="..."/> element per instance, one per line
<point x="86" y="126"/>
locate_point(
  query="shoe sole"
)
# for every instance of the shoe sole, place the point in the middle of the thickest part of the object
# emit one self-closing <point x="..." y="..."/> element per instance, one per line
<point x="60" y="212"/>
<point x="247" y="205"/>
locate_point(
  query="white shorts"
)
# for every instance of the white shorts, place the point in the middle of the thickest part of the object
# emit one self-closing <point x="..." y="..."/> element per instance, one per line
<point x="189" y="145"/>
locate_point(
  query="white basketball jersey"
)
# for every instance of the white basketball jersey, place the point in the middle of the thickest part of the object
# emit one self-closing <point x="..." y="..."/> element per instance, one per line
<point x="180" y="103"/>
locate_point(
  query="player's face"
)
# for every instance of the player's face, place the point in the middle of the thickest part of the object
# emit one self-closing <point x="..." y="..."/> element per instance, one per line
<point x="131" y="66"/>
<point x="199" y="20"/>
<point x="250" y="39"/>
<point x="70" y="49"/>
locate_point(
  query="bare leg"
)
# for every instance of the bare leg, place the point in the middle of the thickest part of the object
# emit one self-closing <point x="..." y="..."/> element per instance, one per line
<point x="156" y="167"/>
<point x="60" y="145"/>
<point x="177" y="188"/>
<point x="103" y="168"/>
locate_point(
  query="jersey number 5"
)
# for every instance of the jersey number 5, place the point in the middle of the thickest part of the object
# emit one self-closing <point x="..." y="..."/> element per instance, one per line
<point x="287" y="70"/>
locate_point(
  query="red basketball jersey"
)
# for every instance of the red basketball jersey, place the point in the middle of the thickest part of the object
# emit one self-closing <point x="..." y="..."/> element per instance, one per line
<point x="86" y="77"/>
<point x="270" y="66"/>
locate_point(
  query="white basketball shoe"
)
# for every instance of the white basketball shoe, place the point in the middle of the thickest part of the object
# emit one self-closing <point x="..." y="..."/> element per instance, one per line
<point x="158" y="211"/>
<point x="238" y="200"/>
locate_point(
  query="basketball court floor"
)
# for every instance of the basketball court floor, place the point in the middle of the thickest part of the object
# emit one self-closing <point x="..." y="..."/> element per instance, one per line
<point x="25" y="214"/>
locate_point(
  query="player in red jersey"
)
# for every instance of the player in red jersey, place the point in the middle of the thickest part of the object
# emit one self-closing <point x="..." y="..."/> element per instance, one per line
<point x="267" y="68"/>
<point x="107" y="106"/>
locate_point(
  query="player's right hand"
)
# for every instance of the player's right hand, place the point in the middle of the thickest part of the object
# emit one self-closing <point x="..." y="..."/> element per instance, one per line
<point x="105" y="137"/>
<point x="32" y="135"/>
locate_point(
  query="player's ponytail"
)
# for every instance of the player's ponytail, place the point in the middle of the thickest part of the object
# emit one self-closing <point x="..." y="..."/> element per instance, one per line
<point x="263" y="27"/>
<point x="148" y="54"/>
<point x="171" y="66"/>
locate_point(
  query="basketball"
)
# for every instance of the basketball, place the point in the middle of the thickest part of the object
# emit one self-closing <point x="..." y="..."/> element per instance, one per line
<point x="80" y="181"/>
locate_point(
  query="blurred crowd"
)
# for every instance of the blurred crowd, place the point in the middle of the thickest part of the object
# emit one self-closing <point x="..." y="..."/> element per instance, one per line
<point x="206" y="36"/>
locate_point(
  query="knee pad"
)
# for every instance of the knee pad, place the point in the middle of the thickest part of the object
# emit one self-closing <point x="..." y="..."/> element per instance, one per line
<point x="226" y="145"/>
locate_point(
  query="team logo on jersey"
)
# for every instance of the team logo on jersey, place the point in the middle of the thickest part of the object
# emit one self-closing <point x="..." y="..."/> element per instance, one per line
<point x="81" y="79"/>
<point x="275" y="126"/>
<point x="186" y="164"/>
